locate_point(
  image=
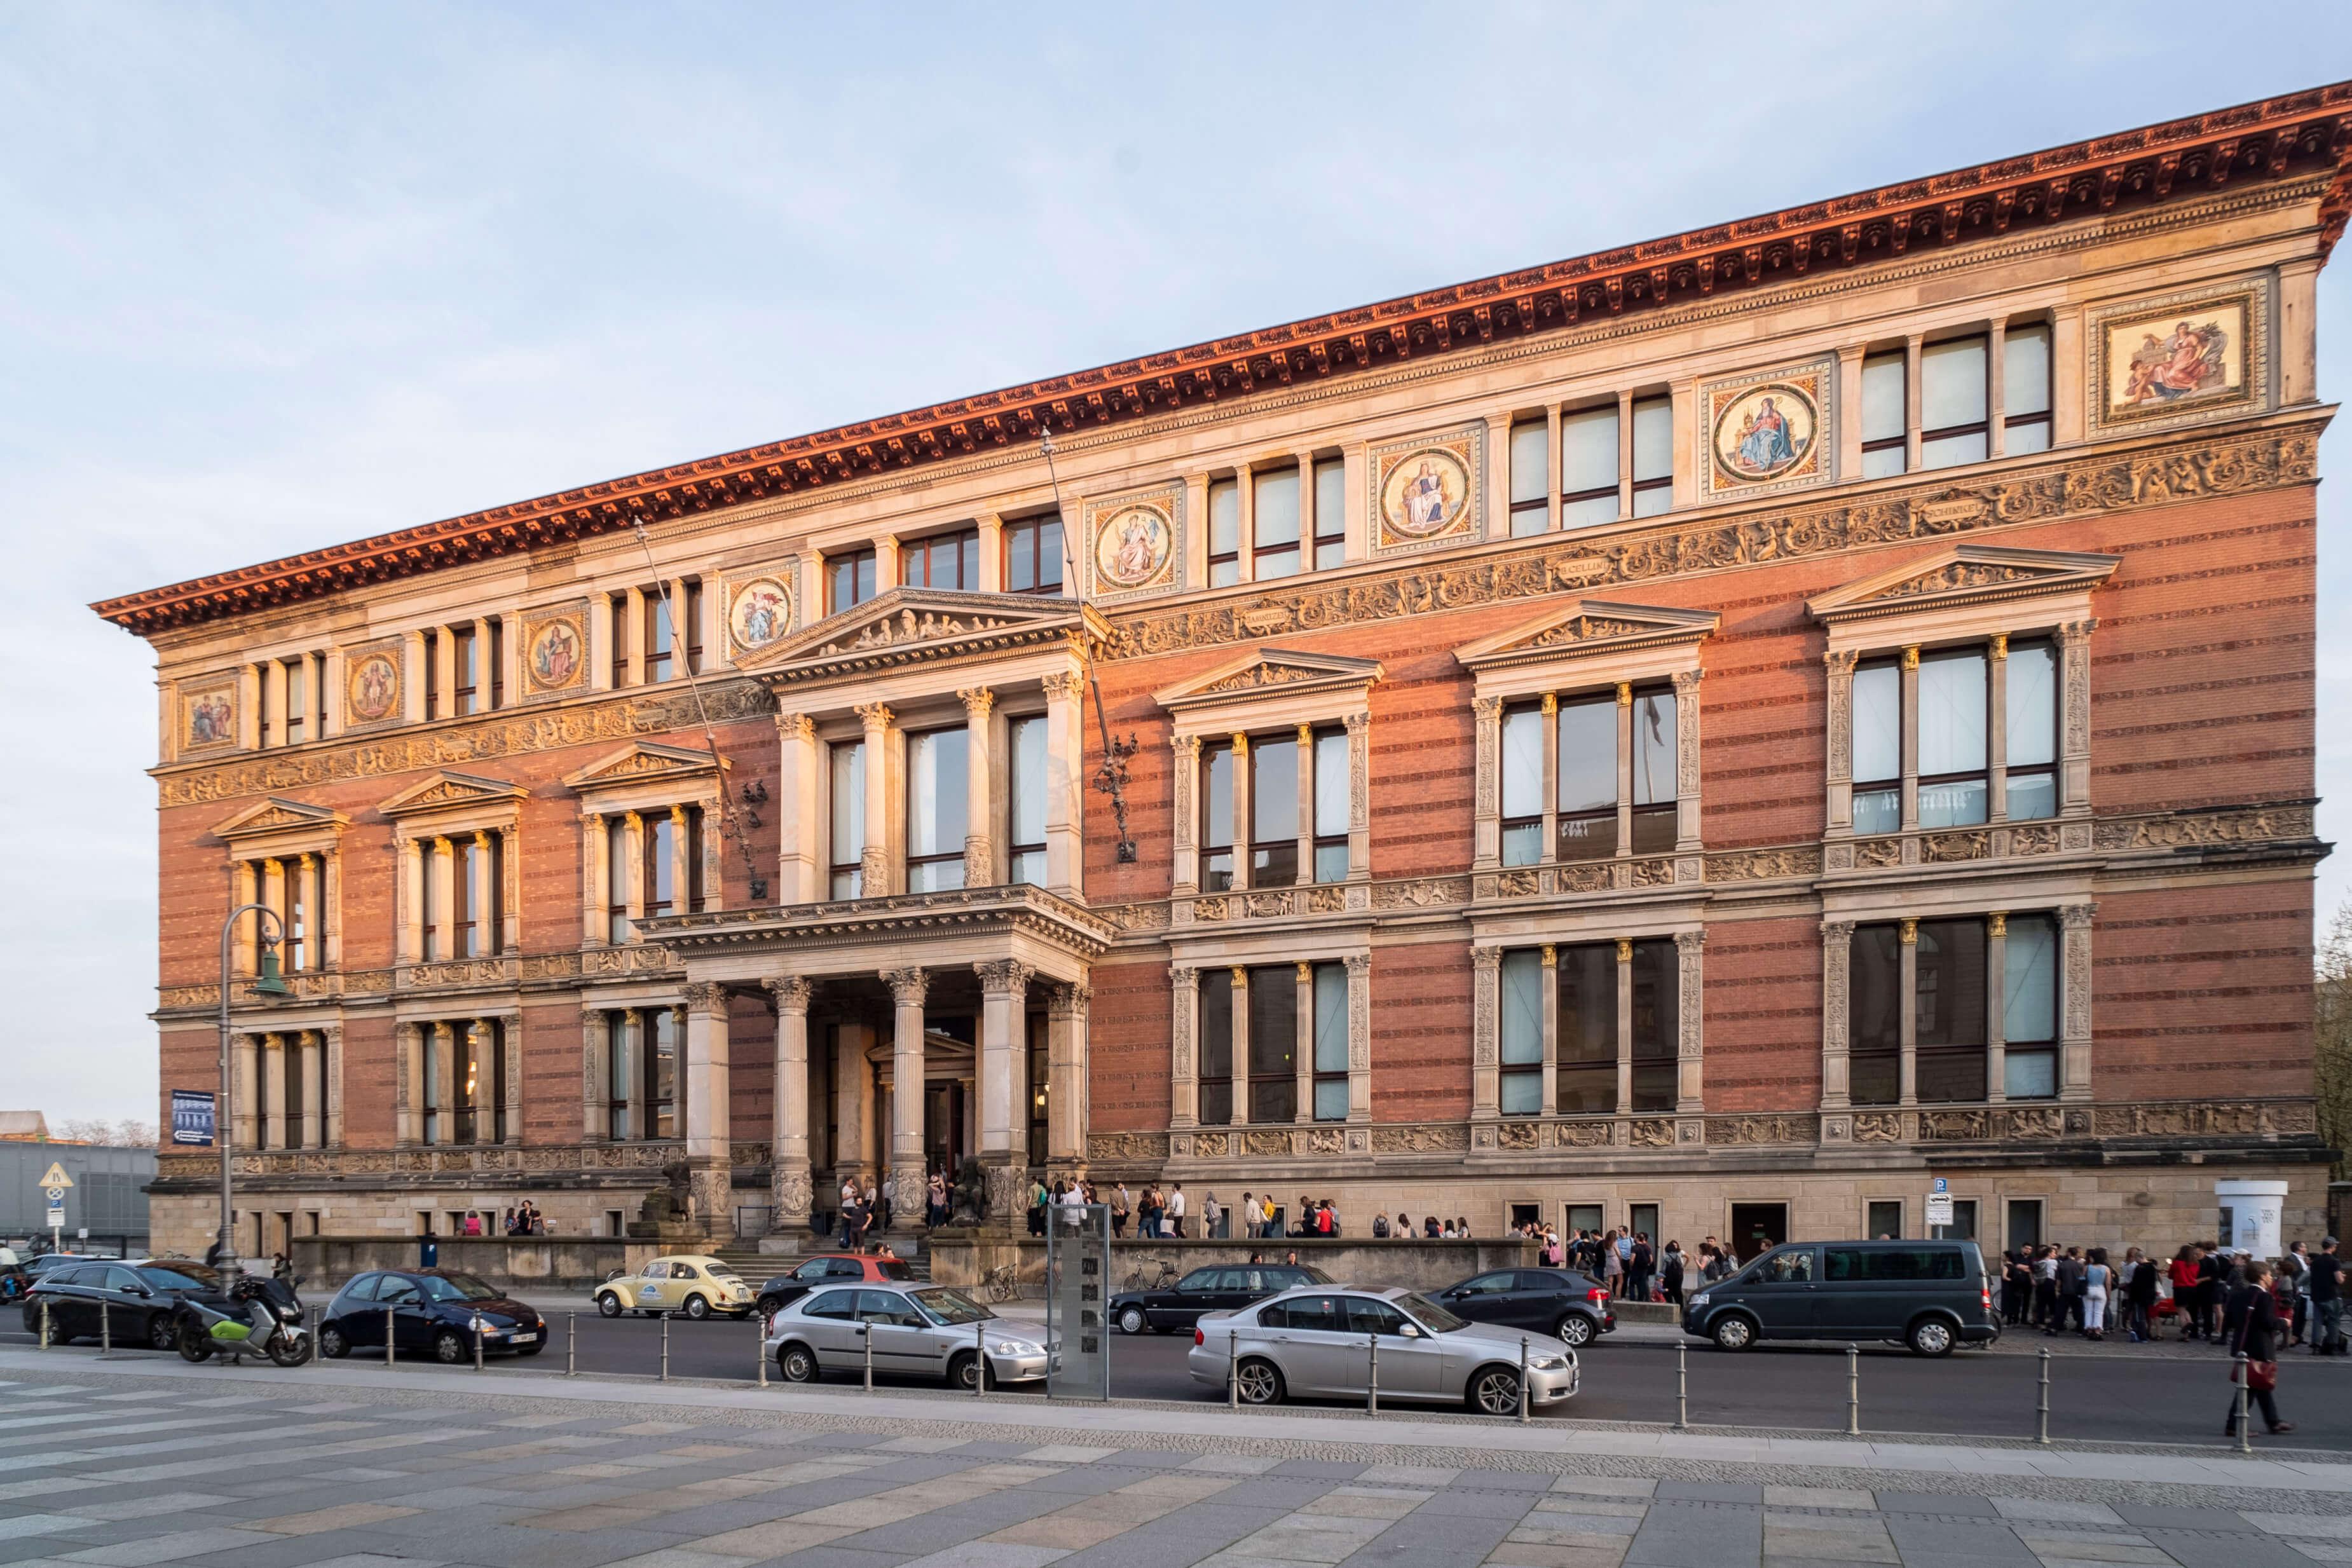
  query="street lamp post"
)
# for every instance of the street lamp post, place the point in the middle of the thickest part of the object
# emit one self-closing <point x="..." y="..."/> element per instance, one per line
<point x="267" y="982"/>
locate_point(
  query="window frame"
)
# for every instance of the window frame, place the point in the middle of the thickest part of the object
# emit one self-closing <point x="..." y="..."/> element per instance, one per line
<point x="1215" y="879"/>
<point x="920" y="549"/>
<point x="1229" y="484"/>
<point x="1980" y="428"/>
<point x="1981" y="775"/>
<point x="1277" y="851"/>
<point x="2032" y="419"/>
<point x="1318" y="1076"/>
<point x="1568" y="959"/>
<point x="1653" y="485"/>
<point x="660" y="633"/>
<point x="1217" y="979"/>
<point x="849" y="873"/>
<point x="860" y="562"/>
<point x="1331" y="521"/>
<point x="1319" y="842"/>
<point x="1027" y="535"/>
<point x="1296" y="548"/>
<point x="1899" y="443"/>
<point x="908" y="814"/>
<point x="616" y="606"/>
<point x="1272" y="1085"/>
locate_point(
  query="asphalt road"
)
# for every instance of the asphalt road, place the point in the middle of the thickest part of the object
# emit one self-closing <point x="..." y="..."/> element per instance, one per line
<point x="2168" y="1399"/>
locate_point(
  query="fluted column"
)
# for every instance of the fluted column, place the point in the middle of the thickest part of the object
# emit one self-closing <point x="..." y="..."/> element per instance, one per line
<point x="1241" y="1045"/>
<point x="978" y="794"/>
<point x="1302" y="1044"/>
<point x="273" y="894"/>
<point x="1184" y="1069"/>
<point x="484" y="893"/>
<point x="909" y="987"/>
<point x="1486" y="1010"/>
<point x="789" y="1186"/>
<point x="1907" y="1012"/>
<point x="681" y="860"/>
<point x="1304" y="852"/>
<point x="328" y="921"/>
<point x="314" y="1099"/>
<point x="1624" y="1026"/>
<point x="1244" y="788"/>
<point x="1066" y="1008"/>
<point x="709" y="1132"/>
<point x="633" y="869"/>
<point x="1996" y="995"/>
<point x="1550" y="1001"/>
<point x="875" y="879"/>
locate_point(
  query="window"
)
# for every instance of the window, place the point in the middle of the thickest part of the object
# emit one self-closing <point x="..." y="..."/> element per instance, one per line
<point x="1274" y="812"/>
<point x="660" y="838"/>
<point x="848" y="836"/>
<point x="1652" y="748"/>
<point x="1274" y="523"/>
<point x="1949" y="1013"/>
<point x="849" y="579"/>
<point x="2031" y="735"/>
<point x="1654" y="456"/>
<point x="1330" y="1025"/>
<point x="2024" y="1223"/>
<point x="1274" y="1044"/>
<point x="465" y="665"/>
<point x="1330" y="513"/>
<point x="1952" y="693"/>
<point x="2025" y="389"/>
<point x="1587" y="778"/>
<point x="1952" y="389"/>
<point x="1891" y="1263"/>
<point x="1954" y="718"/>
<point x="1885" y="416"/>
<point x="641" y="1071"/>
<point x="464" y="882"/>
<point x="302" y="947"/>
<point x="1587" y="467"/>
<point x="942" y="561"/>
<point x="1521" y="1033"/>
<point x="477" y="1113"/>
<point x="1963" y="1227"/>
<point x="616" y="1075"/>
<point x="1370" y="1315"/>
<point x="1657" y="1012"/>
<point x="435" y="1092"/>
<point x="1530" y="459"/>
<point x="692" y="612"/>
<point x="1523" y="785"/>
<point x="1224" y="532"/>
<point x="1026" y="853"/>
<point x="1217" y="818"/>
<point x="2029" y="1008"/>
<point x="1587" y="800"/>
<point x="616" y="881"/>
<point x="297" y="681"/>
<point x="1874" y="1017"/>
<point x="1033" y="555"/>
<point x="661" y="634"/>
<point x="618" y="606"/>
<point x="1587" y="982"/>
<point x="1216" y="1046"/>
<point x="660" y="1079"/>
<point x="1877" y="747"/>
<point x="433" y="700"/>
<point x="429" y="910"/>
<point x="937" y="766"/>
<point x="1883" y="1219"/>
<point x="1330" y="805"/>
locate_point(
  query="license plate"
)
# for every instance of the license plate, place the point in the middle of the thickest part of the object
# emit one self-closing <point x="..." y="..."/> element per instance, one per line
<point x="526" y="1339"/>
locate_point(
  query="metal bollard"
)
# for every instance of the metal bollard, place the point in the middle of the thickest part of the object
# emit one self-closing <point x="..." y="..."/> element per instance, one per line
<point x="866" y="1333"/>
<point x="979" y="1358"/>
<point x="759" y="1346"/>
<point x="1233" y="1369"/>
<point x="2245" y="1417"/>
<point x="1854" y="1391"/>
<point x="1682" y="1386"/>
<point x="45" y="1323"/>
<point x="2042" y="1410"/>
<point x="478" y="1344"/>
<point x="1523" y="1379"/>
<point x="387" y="1339"/>
<point x="313" y="1317"/>
<point x="665" y="1372"/>
<point x="571" y="1344"/>
<point x="105" y="1328"/>
<point x="1372" y="1389"/>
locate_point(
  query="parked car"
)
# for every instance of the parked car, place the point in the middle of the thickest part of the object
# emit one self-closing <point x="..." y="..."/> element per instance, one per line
<point x="1930" y="1295"/>
<point x="136" y="1298"/>
<point x="1316" y="1343"/>
<point x="824" y="1269"/>
<point x="1570" y="1307"/>
<point x="689" y="1282"/>
<point x="433" y="1310"/>
<point x="918" y="1331"/>
<point x="1220" y="1287"/>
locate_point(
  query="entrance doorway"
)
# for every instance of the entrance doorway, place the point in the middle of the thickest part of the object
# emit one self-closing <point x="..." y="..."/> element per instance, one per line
<point x="1758" y="1228"/>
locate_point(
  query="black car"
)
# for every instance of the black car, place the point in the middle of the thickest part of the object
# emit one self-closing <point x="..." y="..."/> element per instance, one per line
<point x="435" y="1310"/>
<point x="1561" y="1303"/>
<point x="124" y="1301"/>
<point x="1217" y="1288"/>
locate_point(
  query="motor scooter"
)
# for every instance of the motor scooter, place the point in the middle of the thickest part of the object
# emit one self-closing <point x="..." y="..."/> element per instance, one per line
<point x="265" y="1318"/>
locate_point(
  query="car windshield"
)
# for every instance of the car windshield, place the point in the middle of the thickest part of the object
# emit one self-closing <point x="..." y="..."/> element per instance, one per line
<point x="1428" y="1313"/>
<point x="893" y="1268"/>
<point x="456" y="1287"/>
<point x="179" y="1276"/>
<point x="1314" y="1276"/>
<point x="945" y="1304"/>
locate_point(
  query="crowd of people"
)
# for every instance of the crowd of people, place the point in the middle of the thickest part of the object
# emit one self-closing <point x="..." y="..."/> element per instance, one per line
<point x="2083" y="1292"/>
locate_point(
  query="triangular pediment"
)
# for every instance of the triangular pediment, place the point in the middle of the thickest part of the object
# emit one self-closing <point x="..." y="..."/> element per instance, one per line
<point x="1270" y="670"/>
<point x="640" y="761"/>
<point x="1588" y="626"/>
<point x="1964" y="574"/>
<point x="272" y="815"/>
<point x="922" y="625"/>
<point x="445" y="792"/>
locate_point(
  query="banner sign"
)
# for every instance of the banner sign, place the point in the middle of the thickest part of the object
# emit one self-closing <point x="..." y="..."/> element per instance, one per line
<point x="191" y="1117"/>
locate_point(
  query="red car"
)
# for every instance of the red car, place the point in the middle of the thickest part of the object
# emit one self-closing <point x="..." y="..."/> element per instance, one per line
<point x="827" y="1268"/>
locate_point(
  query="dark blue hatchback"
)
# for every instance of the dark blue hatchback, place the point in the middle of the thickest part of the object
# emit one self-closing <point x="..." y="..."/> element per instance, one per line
<point x="429" y="1310"/>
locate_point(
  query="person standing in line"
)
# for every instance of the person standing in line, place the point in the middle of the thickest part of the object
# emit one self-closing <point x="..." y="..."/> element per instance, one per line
<point x="1404" y="1231"/>
<point x="1671" y="1274"/>
<point x="2294" y="1273"/>
<point x="2257" y="1339"/>
<point x="2139" y="1296"/>
<point x="2212" y="1288"/>
<point x="1212" y="1219"/>
<point x="1176" y="1211"/>
<point x="2326" y="1271"/>
<point x="2184" y="1290"/>
<point x="1612" y="1266"/>
<point x="2095" y="1278"/>
<point x="1121" y="1204"/>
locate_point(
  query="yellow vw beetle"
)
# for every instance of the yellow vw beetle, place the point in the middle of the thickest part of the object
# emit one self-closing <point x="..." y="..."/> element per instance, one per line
<point x="689" y="1282"/>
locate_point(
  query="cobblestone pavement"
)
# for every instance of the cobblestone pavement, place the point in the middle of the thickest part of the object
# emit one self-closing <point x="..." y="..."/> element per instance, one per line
<point x="99" y="1465"/>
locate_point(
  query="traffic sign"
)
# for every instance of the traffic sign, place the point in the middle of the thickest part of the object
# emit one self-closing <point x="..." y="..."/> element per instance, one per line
<point x="56" y="1176"/>
<point x="1942" y="1185"/>
<point x="1939" y="1209"/>
<point x="56" y="1195"/>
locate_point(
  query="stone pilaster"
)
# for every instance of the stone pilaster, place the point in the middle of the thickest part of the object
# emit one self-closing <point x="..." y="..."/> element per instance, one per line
<point x="790" y="1190"/>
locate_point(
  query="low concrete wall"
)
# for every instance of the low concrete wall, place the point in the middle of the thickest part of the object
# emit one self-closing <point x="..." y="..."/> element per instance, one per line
<point x="964" y="1258"/>
<point x="518" y="1262"/>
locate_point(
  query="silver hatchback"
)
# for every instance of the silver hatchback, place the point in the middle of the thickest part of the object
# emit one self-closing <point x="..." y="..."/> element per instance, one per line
<point x="918" y="1331"/>
<point x="1318" y="1343"/>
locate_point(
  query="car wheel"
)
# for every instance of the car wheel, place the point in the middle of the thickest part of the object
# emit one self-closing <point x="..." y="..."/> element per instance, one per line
<point x="1494" y="1391"/>
<point x="1733" y="1331"/>
<point x="770" y="1306"/>
<point x="1259" y="1382"/>
<point x="161" y="1334"/>
<point x="963" y="1371"/>
<point x="796" y="1364"/>
<point x="697" y="1307"/>
<point x="449" y="1348"/>
<point x="1133" y="1321"/>
<point x="608" y="1305"/>
<point x="1574" y="1330"/>
<point x="1931" y="1336"/>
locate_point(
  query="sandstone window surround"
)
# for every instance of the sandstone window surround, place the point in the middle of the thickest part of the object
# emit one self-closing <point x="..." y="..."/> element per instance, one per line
<point x="457" y="1081"/>
<point x="1641" y="982"/>
<point x="1327" y="979"/>
<point x="1617" y="456"/>
<point x="287" y="1084"/>
<point x="1972" y="601"/>
<point x="1275" y="515"/>
<point x="1966" y="393"/>
<point x="631" y="1050"/>
<point x="289" y="698"/>
<point x="1581" y="656"/>
<point x="459" y="893"/>
<point x="2035" y="984"/>
<point x="650" y="632"/>
<point x="1319" y="703"/>
<point x="460" y="668"/>
<point x="287" y="854"/>
<point x="650" y="839"/>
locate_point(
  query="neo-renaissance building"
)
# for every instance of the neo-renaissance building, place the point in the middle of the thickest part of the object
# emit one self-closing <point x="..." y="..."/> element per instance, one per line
<point x="1709" y="735"/>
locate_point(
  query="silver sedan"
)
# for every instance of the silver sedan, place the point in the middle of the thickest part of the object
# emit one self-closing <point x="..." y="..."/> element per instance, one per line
<point x="1318" y="1343"/>
<point x="919" y="1330"/>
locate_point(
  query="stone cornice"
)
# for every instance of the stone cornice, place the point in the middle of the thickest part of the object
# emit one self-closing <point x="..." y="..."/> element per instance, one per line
<point x="1018" y="906"/>
<point x="2295" y="135"/>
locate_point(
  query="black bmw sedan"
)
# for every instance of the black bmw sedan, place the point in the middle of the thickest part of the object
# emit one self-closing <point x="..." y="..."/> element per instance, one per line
<point x="431" y="1310"/>
<point x="126" y="1302"/>
<point x="1220" y="1287"/>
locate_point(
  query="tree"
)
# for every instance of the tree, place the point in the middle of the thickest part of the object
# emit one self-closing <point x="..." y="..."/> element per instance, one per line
<point x="2332" y="1036"/>
<point x="135" y="1135"/>
<point x="83" y="1130"/>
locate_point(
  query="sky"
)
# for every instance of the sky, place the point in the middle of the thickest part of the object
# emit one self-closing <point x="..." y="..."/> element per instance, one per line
<point x="276" y="277"/>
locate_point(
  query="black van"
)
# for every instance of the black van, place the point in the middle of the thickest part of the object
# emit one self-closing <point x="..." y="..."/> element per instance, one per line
<point x="1931" y="1295"/>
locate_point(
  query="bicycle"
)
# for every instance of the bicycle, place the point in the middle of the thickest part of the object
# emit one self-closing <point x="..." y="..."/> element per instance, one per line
<point x="1002" y="1283"/>
<point x="1164" y="1280"/>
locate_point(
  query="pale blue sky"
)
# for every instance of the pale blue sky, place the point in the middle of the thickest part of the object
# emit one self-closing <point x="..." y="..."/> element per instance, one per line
<point x="276" y="276"/>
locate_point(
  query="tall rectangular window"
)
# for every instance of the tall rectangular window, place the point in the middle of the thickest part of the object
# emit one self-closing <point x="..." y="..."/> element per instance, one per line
<point x="1274" y="812"/>
<point x="1656" y="816"/>
<point x="1654" y="455"/>
<point x="690" y="614"/>
<point x="498" y="663"/>
<point x="1331" y="813"/>
<point x="617" y="1085"/>
<point x="1952" y="690"/>
<point x="464" y="880"/>
<point x="465" y="660"/>
<point x="2029" y="1008"/>
<point x="1657" y="1015"/>
<point x="1886" y="415"/>
<point x="2031" y="730"/>
<point x="618" y="617"/>
<point x="1330" y="1026"/>
<point x="1033" y="555"/>
<point x="297" y="682"/>
<point x="661" y="638"/>
<point x="1026" y="853"/>
<point x="1523" y="771"/>
<point x="1216" y="1046"/>
<point x="301" y="942"/>
<point x="1877" y="759"/>
<point x="1274" y="551"/>
<point x="1952" y="387"/>
<point x="1531" y="478"/>
<point x="1224" y="532"/>
<point x="1217" y="818"/>
<point x="1274" y="1043"/>
<point x="1330" y="513"/>
<point x="848" y="836"/>
<point x="1875" y="1016"/>
<point x="617" y="880"/>
<point x="435" y="702"/>
<point x="1587" y="467"/>
<point x="849" y="579"/>
<point x="437" y="1092"/>
<point x="941" y="561"/>
<point x="661" y="1074"/>
<point x="1587" y="982"/>
<point x="660" y="839"/>
<point x="430" y="904"/>
<point x="937" y="782"/>
<point x="265" y="721"/>
<point x="2025" y="389"/>
<point x="1949" y="1000"/>
<point x="1521" y="1033"/>
<point x="1588" y="778"/>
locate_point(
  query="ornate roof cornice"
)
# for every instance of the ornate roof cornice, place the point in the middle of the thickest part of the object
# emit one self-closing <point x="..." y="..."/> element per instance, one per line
<point x="2298" y="133"/>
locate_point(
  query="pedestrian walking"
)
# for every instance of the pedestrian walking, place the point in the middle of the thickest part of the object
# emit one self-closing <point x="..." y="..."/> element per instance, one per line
<point x="1639" y="1267"/>
<point x="1176" y="1211"/>
<point x="2294" y="1278"/>
<point x="1670" y="1273"/>
<point x="2257" y="1341"/>
<point x="1612" y="1266"/>
<point x="1212" y="1219"/>
<point x="2326" y="1271"/>
<point x="1121" y="1205"/>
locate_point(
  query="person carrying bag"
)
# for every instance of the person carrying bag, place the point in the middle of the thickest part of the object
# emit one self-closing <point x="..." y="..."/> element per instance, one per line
<point x="2257" y="1341"/>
